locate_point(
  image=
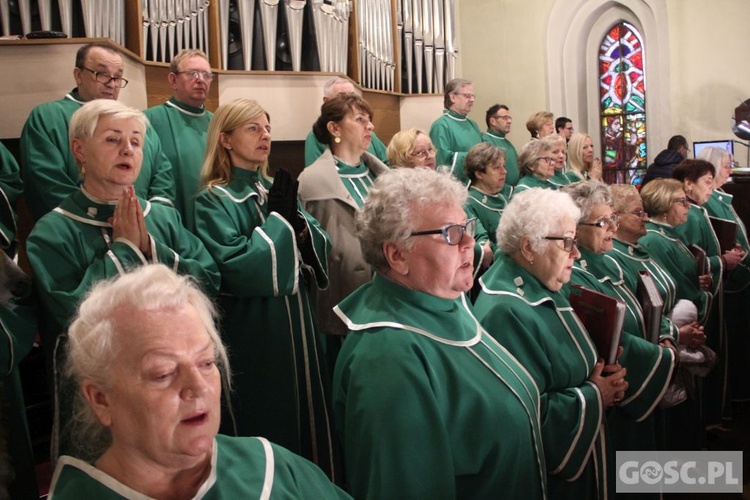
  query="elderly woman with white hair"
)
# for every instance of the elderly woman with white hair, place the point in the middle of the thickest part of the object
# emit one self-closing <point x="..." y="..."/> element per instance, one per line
<point x="103" y="229"/>
<point x="419" y="386"/>
<point x="522" y="307"/>
<point x="737" y="281"/>
<point x="149" y="364"/>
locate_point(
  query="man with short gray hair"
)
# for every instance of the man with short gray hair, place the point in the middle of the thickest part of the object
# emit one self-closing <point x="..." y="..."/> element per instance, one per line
<point x="454" y="133"/>
<point x="332" y="88"/>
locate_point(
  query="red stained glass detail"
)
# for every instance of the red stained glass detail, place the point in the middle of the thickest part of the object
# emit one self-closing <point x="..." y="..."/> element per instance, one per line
<point x="621" y="86"/>
<point x="637" y="60"/>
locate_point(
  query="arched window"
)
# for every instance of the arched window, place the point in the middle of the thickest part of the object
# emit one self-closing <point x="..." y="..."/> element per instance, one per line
<point x="622" y="98"/>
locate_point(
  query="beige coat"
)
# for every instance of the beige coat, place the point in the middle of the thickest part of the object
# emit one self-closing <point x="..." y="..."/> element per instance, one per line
<point x="325" y="197"/>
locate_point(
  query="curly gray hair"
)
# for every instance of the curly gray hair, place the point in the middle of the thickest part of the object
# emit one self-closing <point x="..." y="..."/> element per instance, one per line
<point x="534" y="213"/>
<point x="586" y="194"/>
<point x="394" y="206"/>
<point x="93" y="342"/>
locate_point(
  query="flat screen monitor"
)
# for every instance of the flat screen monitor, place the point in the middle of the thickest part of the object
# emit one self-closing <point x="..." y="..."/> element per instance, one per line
<point x="698" y="145"/>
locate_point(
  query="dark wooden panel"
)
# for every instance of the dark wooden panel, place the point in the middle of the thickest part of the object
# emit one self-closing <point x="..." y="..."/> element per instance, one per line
<point x="387" y="119"/>
<point x="287" y="154"/>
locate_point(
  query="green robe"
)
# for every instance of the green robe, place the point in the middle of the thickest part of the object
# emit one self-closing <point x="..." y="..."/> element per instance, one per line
<point x="182" y="130"/>
<point x="314" y="148"/>
<point x="736" y="298"/>
<point x="10" y="188"/>
<point x="454" y="135"/>
<point x="419" y="392"/>
<point x="541" y="330"/>
<point x="280" y="383"/>
<point x="662" y="242"/>
<point x="716" y="394"/>
<point x="632" y="424"/>
<point x="240" y="468"/>
<point x="50" y="173"/>
<point x="487" y="208"/>
<point x="560" y="179"/>
<point x="511" y="156"/>
<point x="71" y="248"/>
<point x="529" y="181"/>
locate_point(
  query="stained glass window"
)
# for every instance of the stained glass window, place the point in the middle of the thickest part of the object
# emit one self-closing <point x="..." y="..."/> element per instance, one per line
<point x="622" y="94"/>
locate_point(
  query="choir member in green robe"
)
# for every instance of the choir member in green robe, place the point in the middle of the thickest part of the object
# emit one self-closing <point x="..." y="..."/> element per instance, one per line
<point x="150" y="367"/>
<point x="50" y="172"/>
<point x="522" y="307"/>
<point x="411" y="148"/>
<point x="18" y="323"/>
<point x="498" y="122"/>
<point x="454" y="133"/>
<point x="537" y="165"/>
<point x="632" y="425"/>
<point x="182" y="124"/>
<point x="103" y="228"/>
<point x="737" y="281"/>
<point x="314" y="147"/>
<point x="558" y="151"/>
<point x="420" y="388"/>
<point x="485" y="168"/>
<point x="332" y="189"/>
<point x="270" y="255"/>
<point x="698" y="178"/>
<point x="582" y="164"/>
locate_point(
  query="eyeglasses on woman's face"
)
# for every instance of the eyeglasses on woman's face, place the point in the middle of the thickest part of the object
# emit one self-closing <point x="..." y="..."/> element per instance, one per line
<point x="613" y="219"/>
<point x="640" y="213"/>
<point x="682" y="201"/>
<point x="568" y="242"/>
<point x="453" y="233"/>
<point x="423" y="154"/>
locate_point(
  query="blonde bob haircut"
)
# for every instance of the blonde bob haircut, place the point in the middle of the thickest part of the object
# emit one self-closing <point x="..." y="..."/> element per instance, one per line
<point x="217" y="166"/>
<point x="622" y="196"/>
<point x="659" y="194"/>
<point x="401" y="147"/>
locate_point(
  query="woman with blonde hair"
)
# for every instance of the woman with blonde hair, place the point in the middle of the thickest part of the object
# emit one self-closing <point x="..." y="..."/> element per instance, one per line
<point x="270" y="253"/>
<point x="412" y="148"/>
<point x="540" y="124"/>
<point x="582" y="164"/>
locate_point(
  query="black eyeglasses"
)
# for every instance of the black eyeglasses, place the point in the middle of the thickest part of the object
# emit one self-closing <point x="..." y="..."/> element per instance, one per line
<point x="613" y="219"/>
<point x="568" y="241"/>
<point x="193" y="75"/>
<point x="104" y="78"/>
<point x="453" y="233"/>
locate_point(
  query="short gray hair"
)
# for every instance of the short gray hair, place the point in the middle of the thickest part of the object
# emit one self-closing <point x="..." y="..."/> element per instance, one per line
<point x="586" y="194"/>
<point x="534" y="213"/>
<point x="714" y="156"/>
<point x="479" y="157"/>
<point x="531" y="152"/>
<point x="328" y="93"/>
<point x="84" y="121"/>
<point x="394" y="207"/>
<point x="452" y="87"/>
<point x="93" y="343"/>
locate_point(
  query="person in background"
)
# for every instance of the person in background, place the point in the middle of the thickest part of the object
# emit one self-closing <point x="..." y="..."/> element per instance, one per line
<point x="271" y="255"/>
<point x="736" y="282"/>
<point x="182" y="123"/>
<point x="18" y="327"/>
<point x="50" y="171"/>
<point x="665" y="162"/>
<point x="454" y="133"/>
<point x="103" y="229"/>
<point x="538" y="166"/>
<point x="149" y="367"/>
<point x="582" y="164"/>
<point x="540" y="124"/>
<point x="558" y="151"/>
<point x="332" y="88"/>
<point x="419" y="387"/>
<point x="564" y="127"/>
<point x="411" y="148"/>
<point x="499" y="121"/>
<point x="332" y="189"/>
<point x="522" y="307"/>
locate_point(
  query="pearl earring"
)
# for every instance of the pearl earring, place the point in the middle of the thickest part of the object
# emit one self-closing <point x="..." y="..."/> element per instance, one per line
<point x="337" y="140"/>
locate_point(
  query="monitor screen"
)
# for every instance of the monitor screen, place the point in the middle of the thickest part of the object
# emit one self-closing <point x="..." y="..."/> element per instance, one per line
<point x="698" y="145"/>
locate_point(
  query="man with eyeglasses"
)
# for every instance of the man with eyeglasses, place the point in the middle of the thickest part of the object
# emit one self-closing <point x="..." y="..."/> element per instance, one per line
<point x="182" y="125"/>
<point x="50" y="173"/>
<point x="564" y="127"/>
<point x="332" y="88"/>
<point x="454" y="133"/>
<point x="498" y="121"/>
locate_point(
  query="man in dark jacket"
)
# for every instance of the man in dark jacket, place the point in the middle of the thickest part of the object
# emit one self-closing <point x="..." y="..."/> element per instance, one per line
<point x="667" y="160"/>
